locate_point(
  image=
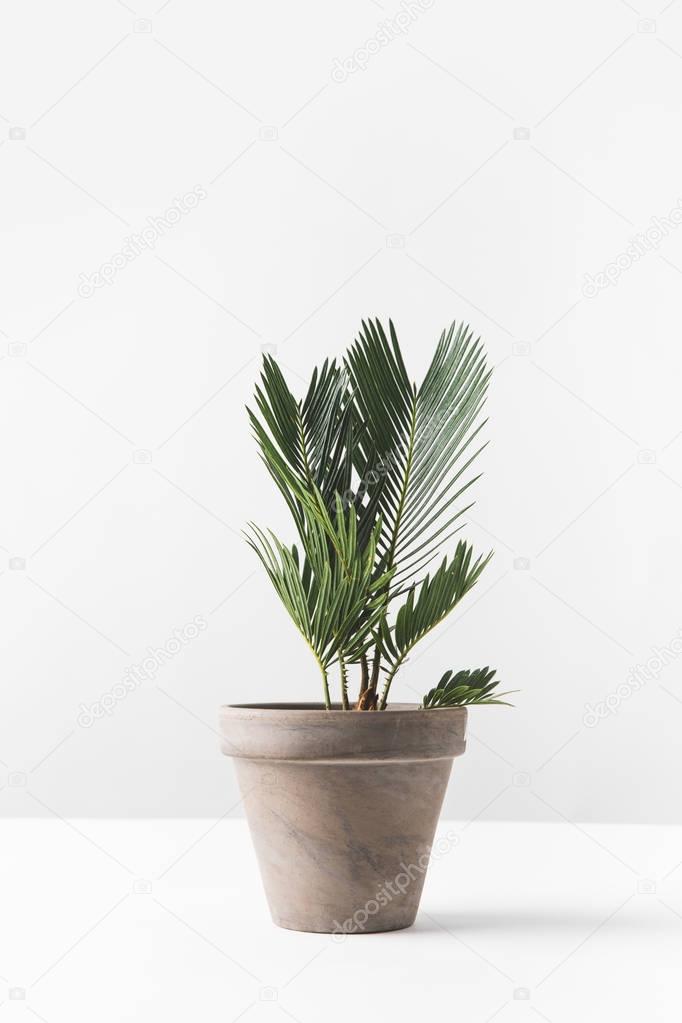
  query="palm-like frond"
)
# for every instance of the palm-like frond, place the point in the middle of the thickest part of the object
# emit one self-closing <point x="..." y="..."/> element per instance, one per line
<point x="428" y="432"/>
<point x="331" y="591"/>
<point x="306" y="445"/>
<point x="427" y="605"/>
<point x="464" y="688"/>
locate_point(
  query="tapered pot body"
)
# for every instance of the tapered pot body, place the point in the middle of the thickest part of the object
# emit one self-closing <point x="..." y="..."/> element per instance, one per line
<point x="342" y="807"/>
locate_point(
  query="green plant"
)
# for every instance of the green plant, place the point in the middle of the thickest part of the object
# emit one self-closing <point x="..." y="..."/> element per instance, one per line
<point x="465" y="687"/>
<point x="374" y="471"/>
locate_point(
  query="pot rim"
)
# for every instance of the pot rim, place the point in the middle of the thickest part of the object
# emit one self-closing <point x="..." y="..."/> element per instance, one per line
<point x="309" y="732"/>
<point x="319" y="708"/>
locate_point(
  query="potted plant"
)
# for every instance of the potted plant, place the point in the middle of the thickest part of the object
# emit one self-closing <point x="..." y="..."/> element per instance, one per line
<point x="343" y="796"/>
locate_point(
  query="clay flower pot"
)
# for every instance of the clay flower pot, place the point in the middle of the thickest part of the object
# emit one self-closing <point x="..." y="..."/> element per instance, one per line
<point x="342" y="807"/>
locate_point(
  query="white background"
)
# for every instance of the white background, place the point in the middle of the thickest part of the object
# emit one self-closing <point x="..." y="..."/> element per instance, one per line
<point x="483" y="162"/>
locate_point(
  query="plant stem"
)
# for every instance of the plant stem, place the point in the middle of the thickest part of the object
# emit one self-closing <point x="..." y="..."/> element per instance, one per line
<point x="344" y="681"/>
<point x="364" y="675"/>
<point x="368" y="690"/>
<point x="323" y="671"/>
<point x="376" y="664"/>
<point x="325" y="683"/>
<point x="389" y="678"/>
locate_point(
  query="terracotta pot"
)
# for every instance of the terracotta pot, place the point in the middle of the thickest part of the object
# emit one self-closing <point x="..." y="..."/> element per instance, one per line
<point x="342" y="807"/>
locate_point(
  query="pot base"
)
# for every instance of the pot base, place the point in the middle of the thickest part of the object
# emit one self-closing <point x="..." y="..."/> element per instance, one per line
<point x="298" y="926"/>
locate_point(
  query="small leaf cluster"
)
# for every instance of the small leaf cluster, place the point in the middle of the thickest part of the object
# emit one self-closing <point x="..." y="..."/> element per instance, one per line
<point x="457" y="689"/>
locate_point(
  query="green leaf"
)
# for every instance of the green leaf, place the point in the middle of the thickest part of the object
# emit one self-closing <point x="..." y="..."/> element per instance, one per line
<point x="465" y="688"/>
<point x="428" y="603"/>
<point x="305" y="445"/>
<point x="428" y="432"/>
<point x="334" y="595"/>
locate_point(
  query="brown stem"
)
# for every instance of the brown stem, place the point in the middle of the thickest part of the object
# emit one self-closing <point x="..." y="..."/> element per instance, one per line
<point x="368" y="687"/>
<point x="375" y="668"/>
<point x="367" y="699"/>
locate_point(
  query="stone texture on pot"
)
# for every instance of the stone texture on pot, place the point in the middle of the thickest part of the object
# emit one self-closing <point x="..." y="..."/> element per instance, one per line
<point x="342" y="807"/>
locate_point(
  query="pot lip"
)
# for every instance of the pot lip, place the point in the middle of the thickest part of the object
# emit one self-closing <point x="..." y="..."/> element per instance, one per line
<point x="309" y="733"/>
<point x="319" y="710"/>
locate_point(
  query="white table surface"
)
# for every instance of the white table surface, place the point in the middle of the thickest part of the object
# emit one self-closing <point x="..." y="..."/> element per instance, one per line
<point x="166" y="920"/>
